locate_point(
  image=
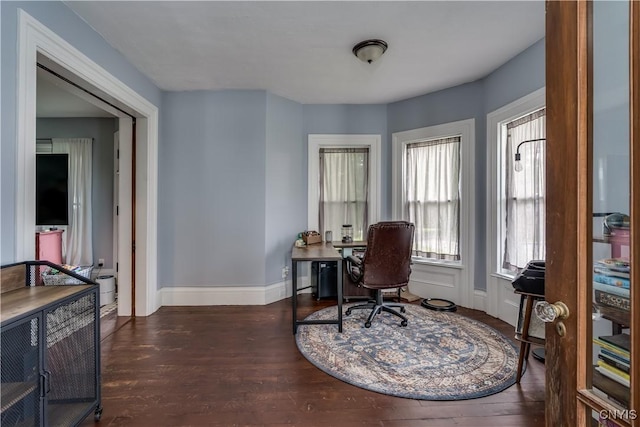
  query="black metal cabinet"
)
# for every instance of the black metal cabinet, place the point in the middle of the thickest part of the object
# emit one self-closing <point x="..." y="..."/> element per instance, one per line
<point x="50" y="357"/>
<point x="21" y="387"/>
<point x="324" y="279"/>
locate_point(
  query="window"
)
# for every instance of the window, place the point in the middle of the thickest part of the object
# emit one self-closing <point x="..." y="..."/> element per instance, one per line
<point x="432" y="196"/>
<point x="344" y="190"/>
<point x="433" y="188"/>
<point x="344" y="181"/>
<point x="515" y="206"/>
<point x="523" y="204"/>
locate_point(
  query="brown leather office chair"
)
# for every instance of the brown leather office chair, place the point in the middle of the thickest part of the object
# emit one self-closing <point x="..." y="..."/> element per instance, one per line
<point x="386" y="264"/>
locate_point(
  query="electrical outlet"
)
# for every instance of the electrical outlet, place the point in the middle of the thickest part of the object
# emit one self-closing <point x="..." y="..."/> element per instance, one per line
<point x="100" y="262"/>
<point x="285" y="272"/>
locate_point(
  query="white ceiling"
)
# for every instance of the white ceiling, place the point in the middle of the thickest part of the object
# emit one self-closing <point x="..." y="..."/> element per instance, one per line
<point x="301" y="50"/>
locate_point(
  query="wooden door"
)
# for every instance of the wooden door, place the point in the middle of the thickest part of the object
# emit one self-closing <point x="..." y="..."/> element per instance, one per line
<point x="126" y="218"/>
<point x="593" y="166"/>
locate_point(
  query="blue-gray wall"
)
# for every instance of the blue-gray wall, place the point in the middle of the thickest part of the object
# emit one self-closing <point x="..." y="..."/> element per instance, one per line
<point x="62" y="21"/>
<point x="232" y="164"/>
<point x="101" y="130"/>
<point x="284" y="196"/>
<point x="611" y="106"/>
<point x="211" y="198"/>
<point x="522" y="75"/>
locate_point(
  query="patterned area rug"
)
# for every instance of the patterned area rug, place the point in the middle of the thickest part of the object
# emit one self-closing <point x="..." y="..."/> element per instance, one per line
<point x="438" y="356"/>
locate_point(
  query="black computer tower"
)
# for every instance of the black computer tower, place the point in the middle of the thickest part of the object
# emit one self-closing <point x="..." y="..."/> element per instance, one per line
<point x="324" y="279"/>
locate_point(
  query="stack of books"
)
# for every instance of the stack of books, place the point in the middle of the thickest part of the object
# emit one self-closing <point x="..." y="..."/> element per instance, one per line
<point x="611" y="287"/>
<point x="611" y="376"/>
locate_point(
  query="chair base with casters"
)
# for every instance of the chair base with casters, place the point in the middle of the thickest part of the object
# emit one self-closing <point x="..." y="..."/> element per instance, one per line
<point x="377" y="306"/>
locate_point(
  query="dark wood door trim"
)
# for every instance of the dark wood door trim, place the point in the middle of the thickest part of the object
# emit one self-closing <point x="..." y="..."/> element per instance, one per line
<point x="634" y="135"/>
<point x="567" y="78"/>
<point x="133" y="219"/>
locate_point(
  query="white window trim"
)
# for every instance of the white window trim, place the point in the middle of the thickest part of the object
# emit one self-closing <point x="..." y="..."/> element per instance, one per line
<point x="497" y="279"/>
<point x="317" y="141"/>
<point x="466" y="130"/>
<point x="495" y="123"/>
<point x="461" y="273"/>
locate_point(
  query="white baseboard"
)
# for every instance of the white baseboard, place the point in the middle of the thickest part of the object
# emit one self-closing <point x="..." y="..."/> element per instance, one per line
<point x="251" y="295"/>
<point x="227" y="295"/>
<point x="479" y="300"/>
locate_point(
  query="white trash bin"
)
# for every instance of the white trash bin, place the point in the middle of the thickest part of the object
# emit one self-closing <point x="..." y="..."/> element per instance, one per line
<point x="107" y="289"/>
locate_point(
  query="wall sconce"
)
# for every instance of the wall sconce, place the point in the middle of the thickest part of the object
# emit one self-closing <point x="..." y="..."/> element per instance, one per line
<point x="518" y="165"/>
<point x="370" y="50"/>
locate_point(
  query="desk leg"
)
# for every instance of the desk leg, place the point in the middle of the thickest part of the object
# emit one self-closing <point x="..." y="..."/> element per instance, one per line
<point x="294" y="295"/>
<point x="339" y="295"/>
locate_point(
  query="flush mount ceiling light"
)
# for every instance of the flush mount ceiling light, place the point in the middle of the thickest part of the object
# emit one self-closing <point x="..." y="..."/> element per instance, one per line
<point x="370" y="50"/>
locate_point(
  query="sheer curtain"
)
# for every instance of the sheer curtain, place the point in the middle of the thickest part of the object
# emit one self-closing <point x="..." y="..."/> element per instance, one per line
<point x="344" y="190"/>
<point x="433" y="197"/>
<point x="79" y="241"/>
<point x="525" y="192"/>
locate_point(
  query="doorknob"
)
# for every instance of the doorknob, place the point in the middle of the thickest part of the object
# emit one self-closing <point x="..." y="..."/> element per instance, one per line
<point x="550" y="312"/>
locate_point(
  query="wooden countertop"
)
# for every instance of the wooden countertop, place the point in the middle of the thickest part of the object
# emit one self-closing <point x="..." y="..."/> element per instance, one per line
<point x="316" y="252"/>
<point x="31" y="298"/>
<point x="356" y="244"/>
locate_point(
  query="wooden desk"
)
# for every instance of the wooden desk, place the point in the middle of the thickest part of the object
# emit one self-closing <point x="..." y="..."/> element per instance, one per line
<point x="356" y="244"/>
<point x="315" y="252"/>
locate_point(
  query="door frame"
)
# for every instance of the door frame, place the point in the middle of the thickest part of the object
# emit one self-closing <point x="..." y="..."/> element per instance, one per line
<point x="568" y="198"/>
<point x="116" y="199"/>
<point x="35" y="39"/>
<point x="569" y="209"/>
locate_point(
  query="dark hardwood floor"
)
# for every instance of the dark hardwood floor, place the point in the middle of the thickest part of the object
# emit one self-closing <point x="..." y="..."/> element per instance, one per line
<point x="239" y="366"/>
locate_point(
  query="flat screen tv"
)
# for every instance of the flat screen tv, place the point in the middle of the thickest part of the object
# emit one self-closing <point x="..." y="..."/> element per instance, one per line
<point x="52" y="189"/>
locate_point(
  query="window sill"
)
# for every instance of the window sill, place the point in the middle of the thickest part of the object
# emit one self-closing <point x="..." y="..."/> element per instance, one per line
<point x="503" y="276"/>
<point x="434" y="263"/>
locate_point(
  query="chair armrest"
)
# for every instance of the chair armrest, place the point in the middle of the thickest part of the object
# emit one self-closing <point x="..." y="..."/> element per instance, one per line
<point x="354" y="269"/>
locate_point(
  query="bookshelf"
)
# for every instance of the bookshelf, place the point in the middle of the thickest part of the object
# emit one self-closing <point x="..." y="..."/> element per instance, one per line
<point x="612" y="370"/>
<point x="612" y="290"/>
<point x="611" y="284"/>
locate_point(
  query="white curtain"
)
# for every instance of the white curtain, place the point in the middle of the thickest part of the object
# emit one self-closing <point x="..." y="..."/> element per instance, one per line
<point x="79" y="241"/>
<point x="433" y="197"/>
<point x="525" y="192"/>
<point x="344" y="190"/>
